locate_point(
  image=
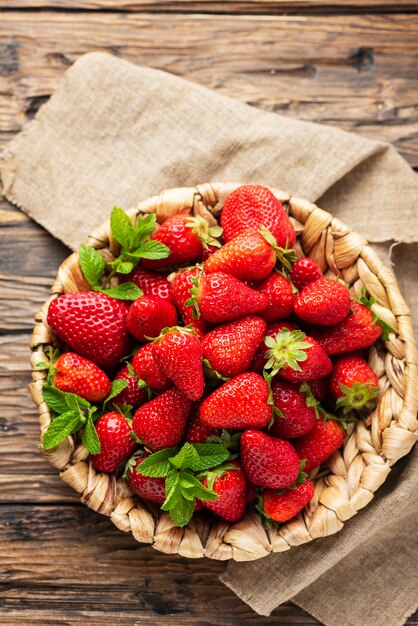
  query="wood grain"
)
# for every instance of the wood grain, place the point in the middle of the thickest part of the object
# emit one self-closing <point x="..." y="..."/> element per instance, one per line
<point x="357" y="72"/>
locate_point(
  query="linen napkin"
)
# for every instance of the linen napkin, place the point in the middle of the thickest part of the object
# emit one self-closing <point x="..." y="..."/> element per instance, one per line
<point x="115" y="133"/>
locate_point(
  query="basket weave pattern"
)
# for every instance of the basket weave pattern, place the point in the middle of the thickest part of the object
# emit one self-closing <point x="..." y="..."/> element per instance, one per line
<point x="351" y="475"/>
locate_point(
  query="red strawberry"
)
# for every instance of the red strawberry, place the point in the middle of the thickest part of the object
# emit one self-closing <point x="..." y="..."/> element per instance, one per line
<point x="304" y="271"/>
<point x="357" y="331"/>
<point x="230" y="347"/>
<point x="149" y="315"/>
<point x="197" y="431"/>
<point x="207" y="252"/>
<point x="281" y="507"/>
<point x="229" y="483"/>
<point x="251" y="496"/>
<point x="151" y="283"/>
<point x="133" y="394"/>
<point x="180" y="293"/>
<point x="221" y="298"/>
<point x="296" y="357"/>
<point x="179" y="354"/>
<point x="280" y="295"/>
<point x="323" y="440"/>
<point x="251" y="206"/>
<point x="92" y="324"/>
<point x="82" y="377"/>
<point x="151" y="489"/>
<point x="298" y="418"/>
<point x="161" y="422"/>
<point x="247" y="256"/>
<point x="239" y="403"/>
<point x="268" y="461"/>
<point x="272" y="330"/>
<point x="147" y="369"/>
<point x="324" y="301"/>
<point x="319" y="388"/>
<point x="116" y="443"/>
<point x="354" y="383"/>
<point x="177" y="233"/>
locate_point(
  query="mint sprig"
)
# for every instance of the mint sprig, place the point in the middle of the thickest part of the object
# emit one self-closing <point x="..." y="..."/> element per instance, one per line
<point x="135" y="245"/>
<point x="70" y="413"/>
<point x="178" y="466"/>
<point x="118" y="386"/>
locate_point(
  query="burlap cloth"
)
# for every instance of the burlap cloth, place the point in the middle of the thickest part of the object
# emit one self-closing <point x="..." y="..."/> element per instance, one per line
<point x="114" y="133"/>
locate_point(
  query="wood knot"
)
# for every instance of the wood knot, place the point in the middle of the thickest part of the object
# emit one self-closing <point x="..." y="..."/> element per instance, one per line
<point x="363" y="59"/>
<point x="9" y="58"/>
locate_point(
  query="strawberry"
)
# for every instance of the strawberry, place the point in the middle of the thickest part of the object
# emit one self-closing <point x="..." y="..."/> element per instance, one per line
<point x="92" y="324"/>
<point x="247" y="256"/>
<point x="181" y="234"/>
<point x="148" y="315"/>
<point x="222" y="298"/>
<point x="281" y="507"/>
<point x="323" y="440"/>
<point x="357" y="331"/>
<point x="230" y="347"/>
<point x="207" y="252"/>
<point x="147" y="487"/>
<point x="251" y="206"/>
<point x="319" y="388"/>
<point x="298" y="418"/>
<point x="179" y="354"/>
<point x="81" y="376"/>
<point x="280" y="294"/>
<point x="161" y="422"/>
<point x="354" y="384"/>
<point x="133" y="394"/>
<point x="116" y="442"/>
<point x="296" y="357"/>
<point x="197" y="431"/>
<point x="268" y="461"/>
<point x="239" y="403"/>
<point x="324" y="301"/>
<point x="229" y="482"/>
<point x="147" y="369"/>
<point x="180" y="293"/>
<point x="151" y="283"/>
<point x="303" y="272"/>
<point x="272" y="330"/>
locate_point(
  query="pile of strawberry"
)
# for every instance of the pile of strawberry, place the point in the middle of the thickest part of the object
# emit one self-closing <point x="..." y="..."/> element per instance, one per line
<point x="198" y="365"/>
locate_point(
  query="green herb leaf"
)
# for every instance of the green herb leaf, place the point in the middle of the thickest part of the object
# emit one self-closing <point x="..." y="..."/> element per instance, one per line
<point x="122" y="229"/>
<point x="124" y="291"/>
<point x="157" y="465"/>
<point x="54" y="398"/>
<point x="125" y="267"/>
<point x="117" y="386"/>
<point x="210" y="455"/>
<point x="186" y="458"/>
<point x="90" y="438"/>
<point x="145" y="226"/>
<point x="92" y="264"/>
<point x="190" y="483"/>
<point x="59" y="429"/>
<point x="152" y="250"/>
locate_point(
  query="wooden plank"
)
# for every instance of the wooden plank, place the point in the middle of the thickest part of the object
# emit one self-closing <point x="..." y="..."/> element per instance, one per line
<point x="356" y="72"/>
<point x="232" y="6"/>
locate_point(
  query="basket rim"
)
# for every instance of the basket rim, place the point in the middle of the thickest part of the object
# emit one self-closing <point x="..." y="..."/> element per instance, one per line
<point x="356" y="471"/>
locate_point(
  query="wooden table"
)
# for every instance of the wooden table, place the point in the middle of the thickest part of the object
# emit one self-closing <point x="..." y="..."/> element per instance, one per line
<point x="350" y="64"/>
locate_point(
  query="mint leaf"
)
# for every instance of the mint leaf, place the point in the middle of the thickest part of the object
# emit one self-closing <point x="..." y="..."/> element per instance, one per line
<point x="210" y="455"/>
<point x="92" y="264"/>
<point x="124" y="291"/>
<point x="90" y="438"/>
<point x="54" y="398"/>
<point x="122" y="228"/>
<point x="152" y="250"/>
<point x="157" y="465"/>
<point x="183" y="512"/>
<point x="125" y="267"/>
<point x="117" y="386"/>
<point x="186" y="458"/>
<point x="145" y="226"/>
<point x="173" y="493"/>
<point x="191" y="486"/>
<point x="59" y="429"/>
<point x="76" y="402"/>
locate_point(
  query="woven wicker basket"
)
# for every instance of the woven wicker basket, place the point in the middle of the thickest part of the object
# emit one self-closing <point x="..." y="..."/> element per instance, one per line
<point x="351" y="475"/>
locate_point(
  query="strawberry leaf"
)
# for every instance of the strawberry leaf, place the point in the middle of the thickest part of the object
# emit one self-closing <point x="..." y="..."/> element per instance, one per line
<point x="124" y="291"/>
<point x="158" y="465"/>
<point x="118" y="385"/>
<point x="60" y="428"/>
<point x="92" y="264"/>
<point x="90" y="438"/>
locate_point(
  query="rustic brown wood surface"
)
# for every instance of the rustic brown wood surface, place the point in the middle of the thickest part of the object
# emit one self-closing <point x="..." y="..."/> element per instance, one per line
<point x="352" y="64"/>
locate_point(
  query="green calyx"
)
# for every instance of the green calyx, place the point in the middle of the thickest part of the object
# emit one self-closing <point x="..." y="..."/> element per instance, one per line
<point x="270" y="401"/>
<point x="359" y="397"/>
<point x="181" y="467"/>
<point x="206" y="233"/>
<point x="288" y="348"/>
<point x="194" y="297"/>
<point x="286" y="256"/>
<point x="228" y="441"/>
<point x="186" y="330"/>
<point x="212" y="377"/>
<point x="369" y="302"/>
